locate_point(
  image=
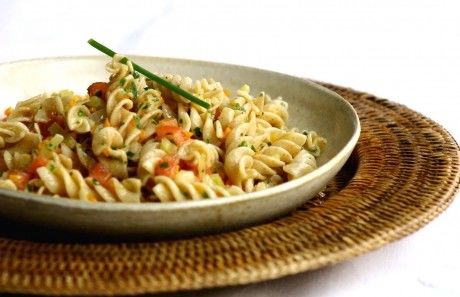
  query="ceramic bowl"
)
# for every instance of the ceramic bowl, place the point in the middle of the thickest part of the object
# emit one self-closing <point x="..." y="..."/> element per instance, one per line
<point x="311" y="107"/>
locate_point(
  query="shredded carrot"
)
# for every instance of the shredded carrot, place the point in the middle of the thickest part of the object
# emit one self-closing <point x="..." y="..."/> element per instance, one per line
<point x="92" y="197"/>
<point x="9" y="111"/>
<point x="132" y="125"/>
<point x="227" y="92"/>
<point x="142" y="136"/>
<point x="227" y="131"/>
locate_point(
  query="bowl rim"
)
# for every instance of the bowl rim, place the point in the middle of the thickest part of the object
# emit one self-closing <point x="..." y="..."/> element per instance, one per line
<point x="204" y="203"/>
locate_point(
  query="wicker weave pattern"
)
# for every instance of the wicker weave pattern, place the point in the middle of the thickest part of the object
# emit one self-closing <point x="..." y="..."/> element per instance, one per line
<point x="403" y="173"/>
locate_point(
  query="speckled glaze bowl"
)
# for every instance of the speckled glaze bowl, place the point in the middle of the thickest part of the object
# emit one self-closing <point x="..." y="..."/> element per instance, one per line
<point x="311" y="107"/>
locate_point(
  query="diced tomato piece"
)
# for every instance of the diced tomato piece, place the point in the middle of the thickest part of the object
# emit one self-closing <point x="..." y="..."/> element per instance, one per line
<point x="98" y="89"/>
<point x="100" y="173"/>
<point x="187" y="165"/>
<point x="39" y="161"/>
<point x="180" y="136"/>
<point x="19" y="178"/>
<point x="164" y="131"/>
<point x="168" y="166"/>
<point x="168" y="123"/>
<point x="170" y="129"/>
<point x="110" y="186"/>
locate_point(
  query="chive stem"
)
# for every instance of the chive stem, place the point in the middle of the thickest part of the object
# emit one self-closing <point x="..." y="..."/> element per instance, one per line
<point x="150" y="75"/>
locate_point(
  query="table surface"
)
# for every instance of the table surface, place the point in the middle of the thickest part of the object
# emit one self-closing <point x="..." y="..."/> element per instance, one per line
<point x="407" y="51"/>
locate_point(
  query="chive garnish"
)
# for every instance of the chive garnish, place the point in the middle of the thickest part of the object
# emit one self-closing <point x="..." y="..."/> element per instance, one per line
<point x="150" y="75"/>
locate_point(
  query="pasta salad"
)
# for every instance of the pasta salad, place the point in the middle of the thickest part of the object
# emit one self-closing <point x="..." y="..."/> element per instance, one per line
<point x="132" y="140"/>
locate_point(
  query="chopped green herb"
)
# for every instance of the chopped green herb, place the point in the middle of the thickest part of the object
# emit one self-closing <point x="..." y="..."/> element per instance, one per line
<point x="237" y="106"/>
<point x="146" y="105"/>
<point x="113" y="147"/>
<point x="130" y="154"/>
<point x="243" y="143"/>
<point x="134" y="90"/>
<point x="51" y="167"/>
<point x="137" y="119"/>
<point x="197" y="132"/>
<point x="253" y="148"/>
<point x="81" y="113"/>
<point x="305" y="133"/>
<point x="95" y="181"/>
<point x="164" y="165"/>
<point x="205" y="195"/>
<point x="181" y="120"/>
<point x="122" y="81"/>
<point x="135" y="74"/>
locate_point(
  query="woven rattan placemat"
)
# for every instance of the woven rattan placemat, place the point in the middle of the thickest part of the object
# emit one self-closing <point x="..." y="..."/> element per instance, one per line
<point x="402" y="174"/>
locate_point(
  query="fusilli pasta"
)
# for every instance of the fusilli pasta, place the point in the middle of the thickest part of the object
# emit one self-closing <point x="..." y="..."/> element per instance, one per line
<point x="132" y="140"/>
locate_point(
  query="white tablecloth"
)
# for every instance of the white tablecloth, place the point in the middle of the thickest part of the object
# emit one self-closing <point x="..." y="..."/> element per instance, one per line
<point x="408" y="51"/>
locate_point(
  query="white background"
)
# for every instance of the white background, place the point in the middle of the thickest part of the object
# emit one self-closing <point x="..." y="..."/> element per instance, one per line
<point x="407" y="51"/>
